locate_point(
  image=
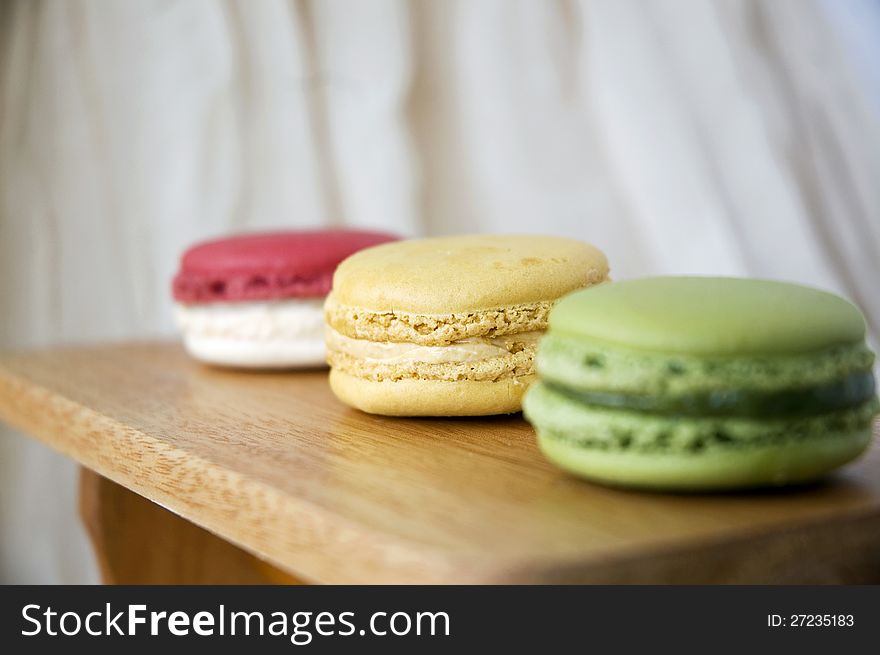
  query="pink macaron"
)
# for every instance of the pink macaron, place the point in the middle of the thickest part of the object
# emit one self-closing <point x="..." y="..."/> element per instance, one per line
<point x="255" y="300"/>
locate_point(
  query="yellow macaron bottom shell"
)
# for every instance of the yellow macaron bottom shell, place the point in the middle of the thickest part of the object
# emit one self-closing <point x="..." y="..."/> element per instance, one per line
<point x="431" y="397"/>
<point x="475" y="377"/>
<point x="719" y="470"/>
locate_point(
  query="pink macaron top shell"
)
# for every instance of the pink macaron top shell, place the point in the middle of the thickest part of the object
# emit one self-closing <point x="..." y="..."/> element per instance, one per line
<point x="268" y="265"/>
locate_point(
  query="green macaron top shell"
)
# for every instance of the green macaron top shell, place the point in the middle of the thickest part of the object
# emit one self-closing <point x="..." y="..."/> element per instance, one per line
<point x="705" y="316"/>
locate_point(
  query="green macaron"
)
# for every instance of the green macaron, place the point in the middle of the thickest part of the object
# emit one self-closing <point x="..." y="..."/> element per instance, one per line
<point x="691" y="383"/>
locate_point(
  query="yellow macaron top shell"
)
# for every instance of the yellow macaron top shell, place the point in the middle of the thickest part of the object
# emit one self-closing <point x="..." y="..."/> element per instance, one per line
<point x="446" y="275"/>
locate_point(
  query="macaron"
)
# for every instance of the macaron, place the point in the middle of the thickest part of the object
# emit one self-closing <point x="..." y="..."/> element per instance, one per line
<point x="690" y="384"/>
<point x="448" y="326"/>
<point x="255" y="300"/>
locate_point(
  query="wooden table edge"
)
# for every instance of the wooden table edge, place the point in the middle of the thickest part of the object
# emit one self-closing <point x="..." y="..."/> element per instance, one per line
<point x="29" y="415"/>
<point x="32" y="416"/>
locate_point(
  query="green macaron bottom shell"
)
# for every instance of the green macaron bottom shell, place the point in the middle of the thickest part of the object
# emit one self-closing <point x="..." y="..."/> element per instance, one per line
<point x="647" y="450"/>
<point x="717" y="470"/>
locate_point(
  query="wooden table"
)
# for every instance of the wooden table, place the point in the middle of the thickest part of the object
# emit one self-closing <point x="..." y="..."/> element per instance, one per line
<point x="283" y="473"/>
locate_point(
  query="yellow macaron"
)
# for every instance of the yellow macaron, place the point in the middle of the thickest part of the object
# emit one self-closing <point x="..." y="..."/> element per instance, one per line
<point x="448" y="326"/>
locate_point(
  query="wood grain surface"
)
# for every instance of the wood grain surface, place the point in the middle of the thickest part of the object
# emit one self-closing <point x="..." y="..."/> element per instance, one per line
<point x="137" y="542"/>
<point x="274" y="464"/>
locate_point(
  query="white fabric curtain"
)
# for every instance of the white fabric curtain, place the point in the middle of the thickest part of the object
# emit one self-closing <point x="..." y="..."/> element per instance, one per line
<point x="682" y="136"/>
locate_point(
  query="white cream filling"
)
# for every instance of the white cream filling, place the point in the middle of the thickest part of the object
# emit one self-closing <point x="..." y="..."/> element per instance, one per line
<point x="266" y="334"/>
<point x="293" y="319"/>
<point x="466" y="350"/>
